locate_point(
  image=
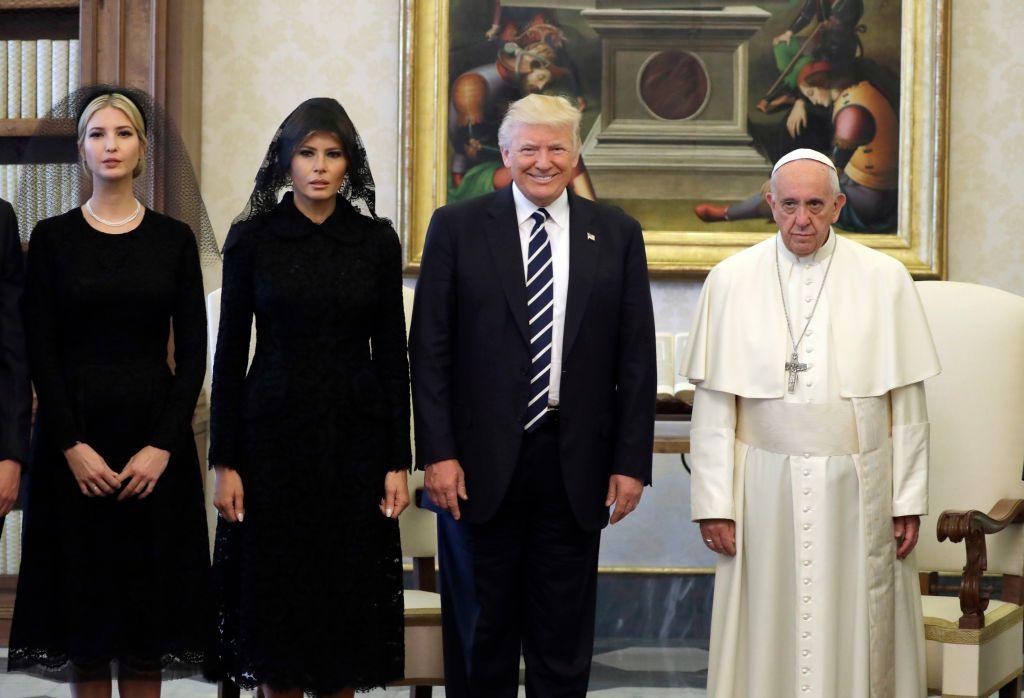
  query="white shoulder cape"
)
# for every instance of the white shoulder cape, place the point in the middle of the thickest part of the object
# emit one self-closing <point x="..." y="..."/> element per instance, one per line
<point x="738" y="342"/>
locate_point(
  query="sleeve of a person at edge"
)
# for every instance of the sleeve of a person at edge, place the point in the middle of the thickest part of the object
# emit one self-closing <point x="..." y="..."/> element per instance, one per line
<point x="390" y="356"/>
<point x="636" y="370"/>
<point x="189" y="323"/>
<point x="16" y="404"/>
<point x="41" y="325"/>
<point x="910" y="432"/>
<point x="232" y="356"/>
<point x="712" y="454"/>
<point x="430" y="346"/>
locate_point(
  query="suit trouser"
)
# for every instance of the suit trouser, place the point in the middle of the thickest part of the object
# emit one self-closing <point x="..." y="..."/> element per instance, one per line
<point x="459" y="607"/>
<point x="536" y="583"/>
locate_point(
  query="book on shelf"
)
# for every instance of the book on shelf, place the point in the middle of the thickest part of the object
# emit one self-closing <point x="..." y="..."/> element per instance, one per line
<point x="36" y="76"/>
<point x="60" y="64"/>
<point x="28" y="79"/>
<point x="74" y="56"/>
<point x="44" y="78"/>
<point x="3" y="79"/>
<point x="671" y="385"/>
<point x="13" y="106"/>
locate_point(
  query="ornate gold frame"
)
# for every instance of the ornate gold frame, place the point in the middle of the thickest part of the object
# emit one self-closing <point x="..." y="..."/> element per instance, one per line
<point x="920" y="242"/>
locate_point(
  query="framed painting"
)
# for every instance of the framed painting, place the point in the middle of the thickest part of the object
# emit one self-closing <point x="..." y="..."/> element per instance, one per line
<point x="686" y="105"/>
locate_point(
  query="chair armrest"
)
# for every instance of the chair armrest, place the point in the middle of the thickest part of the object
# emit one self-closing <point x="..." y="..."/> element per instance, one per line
<point x="972" y="527"/>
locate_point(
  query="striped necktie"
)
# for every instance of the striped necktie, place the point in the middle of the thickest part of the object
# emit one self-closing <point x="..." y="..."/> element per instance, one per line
<point x="540" y="294"/>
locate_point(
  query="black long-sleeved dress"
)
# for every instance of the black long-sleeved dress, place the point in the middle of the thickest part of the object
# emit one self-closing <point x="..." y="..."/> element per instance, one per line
<point x="311" y="580"/>
<point x="15" y="393"/>
<point x="102" y="579"/>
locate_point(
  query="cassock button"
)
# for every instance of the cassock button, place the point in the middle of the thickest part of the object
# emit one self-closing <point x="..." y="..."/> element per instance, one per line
<point x="807" y="544"/>
<point x="809" y="384"/>
<point x="809" y="282"/>
<point x="805" y="635"/>
<point x="807" y="527"/>
<point x="806" y="599"/>
<point x="807" y="490"/>
<point x="806" y="616"/>
<point x="805" y="688"/>
<point x="810" y="332"/>
<point x="809" y="299"/>
<point x="807" y="563"/>
<point x="806" y="653"/>
<point x="809" y="350"/>
<point x="807" y="581"/>
<point x="807" y="510"/>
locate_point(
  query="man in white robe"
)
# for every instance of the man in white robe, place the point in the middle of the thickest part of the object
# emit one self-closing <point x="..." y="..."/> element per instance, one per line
<point x="810" y="473"/>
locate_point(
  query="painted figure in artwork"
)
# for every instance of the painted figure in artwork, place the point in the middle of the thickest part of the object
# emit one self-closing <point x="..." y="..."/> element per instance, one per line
<point x="530" y="59"/>
<point x="839" y="101"/>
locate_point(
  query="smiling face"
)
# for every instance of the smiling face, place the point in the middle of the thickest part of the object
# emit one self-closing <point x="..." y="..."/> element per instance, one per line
<point x="804" y="205"/>
<point x="318" y="168"/>
<point x="110" y="146"/>
<point x="541" y="159"/>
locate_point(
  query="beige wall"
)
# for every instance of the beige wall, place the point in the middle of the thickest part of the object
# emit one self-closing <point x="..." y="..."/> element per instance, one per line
<point x="259" y="67"/>
<point x="986" y="187"/>
<point x="261" y="58"/>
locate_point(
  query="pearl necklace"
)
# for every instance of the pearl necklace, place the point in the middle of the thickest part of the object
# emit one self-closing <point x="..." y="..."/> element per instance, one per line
<point x="114" y="224"/>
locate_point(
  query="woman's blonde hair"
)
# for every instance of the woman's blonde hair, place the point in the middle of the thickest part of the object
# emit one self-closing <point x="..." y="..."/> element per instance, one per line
<point x="129" y="109"/>
<point x="535" y="110"/>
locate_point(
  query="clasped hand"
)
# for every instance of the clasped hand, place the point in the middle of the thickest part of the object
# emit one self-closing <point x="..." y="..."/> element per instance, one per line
<point x="96" y="479"/>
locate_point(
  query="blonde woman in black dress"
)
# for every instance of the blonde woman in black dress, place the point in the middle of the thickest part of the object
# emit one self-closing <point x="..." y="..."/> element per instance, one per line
<point x="115" y="568"/>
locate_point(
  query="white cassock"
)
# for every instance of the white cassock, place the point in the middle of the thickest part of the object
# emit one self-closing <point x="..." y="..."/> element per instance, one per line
<point x="815" y="603"/>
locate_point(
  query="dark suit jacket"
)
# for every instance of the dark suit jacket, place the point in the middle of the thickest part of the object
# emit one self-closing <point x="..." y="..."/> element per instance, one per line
<point x="15" y="390"/>
<point x="470" y="359"/>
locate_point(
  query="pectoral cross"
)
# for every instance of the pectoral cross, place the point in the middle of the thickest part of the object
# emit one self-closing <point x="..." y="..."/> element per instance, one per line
<point x="793" y="367"/>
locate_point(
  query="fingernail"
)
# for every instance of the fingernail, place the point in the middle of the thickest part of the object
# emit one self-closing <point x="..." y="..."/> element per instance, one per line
<point x="241" y="516"/>
<point x="388" y="512"/>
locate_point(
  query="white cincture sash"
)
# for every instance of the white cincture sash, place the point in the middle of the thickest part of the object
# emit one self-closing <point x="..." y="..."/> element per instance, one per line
<point x="797" y="429"/>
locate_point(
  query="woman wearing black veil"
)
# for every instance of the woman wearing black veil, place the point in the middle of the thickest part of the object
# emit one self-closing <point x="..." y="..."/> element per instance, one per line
<point x="115" y="571"/>
<point x="312" y="446"/>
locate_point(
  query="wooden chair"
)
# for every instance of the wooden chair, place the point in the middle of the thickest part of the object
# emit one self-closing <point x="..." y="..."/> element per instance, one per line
<point x="976" y="410"/>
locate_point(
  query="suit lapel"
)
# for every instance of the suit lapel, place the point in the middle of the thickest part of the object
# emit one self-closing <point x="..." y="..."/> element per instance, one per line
<point x="584" y="246"/>
<point x="503" y="238"/>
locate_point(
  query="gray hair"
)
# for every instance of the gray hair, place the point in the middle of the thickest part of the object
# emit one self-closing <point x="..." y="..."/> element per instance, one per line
<point x="833" y="178"/>
<point x="535" y="110"/>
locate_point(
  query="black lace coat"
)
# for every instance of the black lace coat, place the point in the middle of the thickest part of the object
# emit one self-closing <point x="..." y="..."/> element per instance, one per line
<point x="311" y="581"/>
<point x="102" y="579"/>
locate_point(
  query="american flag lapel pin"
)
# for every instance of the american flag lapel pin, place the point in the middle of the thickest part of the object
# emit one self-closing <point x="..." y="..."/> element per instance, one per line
<point x="591" y="237"/>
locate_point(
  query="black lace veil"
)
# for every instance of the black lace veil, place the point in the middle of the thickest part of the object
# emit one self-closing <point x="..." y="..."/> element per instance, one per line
<point x="50" y="180"/>
<point x="317" y="114"/>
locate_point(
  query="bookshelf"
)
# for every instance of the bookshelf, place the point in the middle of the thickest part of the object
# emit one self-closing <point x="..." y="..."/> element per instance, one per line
<point x="151" y="45"/>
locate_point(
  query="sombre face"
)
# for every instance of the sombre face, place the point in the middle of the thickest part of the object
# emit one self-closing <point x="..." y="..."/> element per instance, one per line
<point x="318" y="167"/>
<point x="804" y="205"/>
<point x="541" y="159"/>
<point x="111" y="148"/>
<point x="817" y="95"/>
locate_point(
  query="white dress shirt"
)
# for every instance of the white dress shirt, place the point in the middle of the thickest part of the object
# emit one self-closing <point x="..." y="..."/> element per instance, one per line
<point x="558" y="233"/>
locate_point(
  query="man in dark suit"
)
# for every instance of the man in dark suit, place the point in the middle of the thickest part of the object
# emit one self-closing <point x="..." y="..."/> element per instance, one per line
<point x="15" y="393"/>
<point x="533" y="371"/>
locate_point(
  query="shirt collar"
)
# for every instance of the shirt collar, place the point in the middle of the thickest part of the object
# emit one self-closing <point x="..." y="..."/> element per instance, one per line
<point x="821" y="255"/>
<point x="557" y="209"/>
